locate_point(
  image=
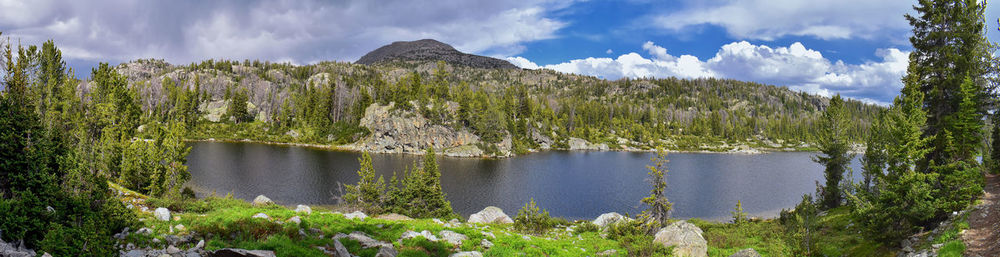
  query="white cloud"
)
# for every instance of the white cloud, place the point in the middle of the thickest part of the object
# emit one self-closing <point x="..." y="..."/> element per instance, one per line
<point x="609" y="51"/>
<point x="794" y="66"/>
<point x="301" y="31"/>
<point x="771" y="19"/>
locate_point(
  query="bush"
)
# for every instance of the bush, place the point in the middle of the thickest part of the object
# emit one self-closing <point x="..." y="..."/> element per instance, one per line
<point x="635" y="237"/>
<point x="587" y="226"/>
<point x="532" y="220"/>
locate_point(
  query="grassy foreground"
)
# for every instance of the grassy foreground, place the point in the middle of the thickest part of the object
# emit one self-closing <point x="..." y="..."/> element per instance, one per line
<point x="226" y="222"/>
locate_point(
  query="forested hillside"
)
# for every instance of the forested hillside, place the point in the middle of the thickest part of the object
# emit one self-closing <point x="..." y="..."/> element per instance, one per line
<point x="507" y="111"/>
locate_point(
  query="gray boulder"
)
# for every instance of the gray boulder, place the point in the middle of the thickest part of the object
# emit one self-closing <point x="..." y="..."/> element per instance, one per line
<point x="387" y="251"/>
<point x="356" y="215"/>
<point x="303" y="208"/>
<point x="162" y="214"/>
<point x="749" y="252"/>
<point x="230" y="252"/>
<point x="453" y="237"/>
<point x="685" y="238"/>
<point x="468" y="254"/>
<point x="340" y="250"/>
<point x="262" y="200"/>
<point x="490" y="214"/>
<point x="609" y="218"/>
<point x="365" y="240"/>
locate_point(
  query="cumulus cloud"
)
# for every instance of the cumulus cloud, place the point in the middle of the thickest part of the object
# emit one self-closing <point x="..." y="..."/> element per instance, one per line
<point x="794" y="66"/>
<point x="771" y="19"/>
<point x="299" y="31"/>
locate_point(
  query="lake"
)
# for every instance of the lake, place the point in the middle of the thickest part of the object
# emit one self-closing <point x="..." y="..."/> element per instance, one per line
<point x="574" y="185"/>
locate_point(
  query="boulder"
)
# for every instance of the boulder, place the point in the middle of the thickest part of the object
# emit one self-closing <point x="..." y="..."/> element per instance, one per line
<point x="387" y="251"/>
<point x="609" y="218"/>
<point x="366" y="241"/>
<point x="340" y="250"/>
<point x="486" y="243"/>
<point x="490" y="214"/>
<point x="609" y="252"/>
<point x="173" y="250"/>
<point x="199" y="246"/>
<point x="356" y="215"/>
<point x="162" y="214"/>
<point x="295" y="219"/>
<point x="262" y="200"/>
<point x="453" y="237"/>
<point x="685" y="238"/>
<point x="303" y="208"/>
<point x="468" y="254"/>
<point x="260" y="216"/>
<point x="230" y="252"/>
<point x="749" y="252"/>
<point x="426" y="234"/>
<point x="394" y="217"/>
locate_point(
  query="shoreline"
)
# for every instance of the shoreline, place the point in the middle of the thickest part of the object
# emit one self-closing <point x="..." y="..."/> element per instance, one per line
<point x="346" y="148"/>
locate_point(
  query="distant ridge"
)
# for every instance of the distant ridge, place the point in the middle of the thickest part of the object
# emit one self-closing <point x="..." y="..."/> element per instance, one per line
<point x="430" y="50"/>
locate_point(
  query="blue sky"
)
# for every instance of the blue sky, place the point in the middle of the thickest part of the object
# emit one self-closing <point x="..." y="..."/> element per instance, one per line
<point x="857" y="48"/>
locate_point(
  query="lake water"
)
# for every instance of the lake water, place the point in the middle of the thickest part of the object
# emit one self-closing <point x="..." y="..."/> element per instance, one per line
<point x="574" y="185"/>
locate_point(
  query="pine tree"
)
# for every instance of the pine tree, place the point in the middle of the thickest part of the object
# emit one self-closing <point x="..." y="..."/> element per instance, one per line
<point x="834" y="146"/>
<point x="873" y="161"/>
<point x="949" y="46"/>
<point x="368" y="193"/>
<point x="659" y="206"/>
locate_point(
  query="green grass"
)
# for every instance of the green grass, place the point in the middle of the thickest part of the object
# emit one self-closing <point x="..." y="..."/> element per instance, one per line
<point x="724" y="239"/>
<point x="838" y="237"/>
<point x="227" y="222"/>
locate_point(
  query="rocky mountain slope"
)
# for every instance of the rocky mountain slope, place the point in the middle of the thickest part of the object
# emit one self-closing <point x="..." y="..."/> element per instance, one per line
<point x="430" y="50"/>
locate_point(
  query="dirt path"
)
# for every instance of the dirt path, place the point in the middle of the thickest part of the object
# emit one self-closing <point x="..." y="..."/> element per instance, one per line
<point x="983" y="237"/>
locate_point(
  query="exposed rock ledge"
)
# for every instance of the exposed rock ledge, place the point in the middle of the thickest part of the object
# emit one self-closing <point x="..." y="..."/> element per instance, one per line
<point x="398" y="131"/>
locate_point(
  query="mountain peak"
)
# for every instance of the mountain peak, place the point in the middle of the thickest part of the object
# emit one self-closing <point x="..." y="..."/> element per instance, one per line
<point x="430" y="50"/>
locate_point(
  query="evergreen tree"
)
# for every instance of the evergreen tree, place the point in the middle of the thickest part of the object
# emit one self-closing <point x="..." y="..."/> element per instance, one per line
<point x="237" y="110"/>
<point x="834" y="146"/>
<point x="659" y="206"/>
<point x="873" y="161"/>
<point x="950" y="46"/>
<point x="368" y="192"/>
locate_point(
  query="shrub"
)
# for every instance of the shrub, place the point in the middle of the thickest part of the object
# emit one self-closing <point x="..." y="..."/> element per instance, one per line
<point x="532" y="220"/>
<point x="635" y="237"/>
<point x="587" y="226"/>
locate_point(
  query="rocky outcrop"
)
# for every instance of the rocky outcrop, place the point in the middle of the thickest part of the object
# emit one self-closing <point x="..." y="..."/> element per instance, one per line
<point x="15" y="249"/>
<point x="490" y="214"/>
<point x="685" y="238"/>
<point x="398" y="131"/>
<point x="577" y="144"/>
